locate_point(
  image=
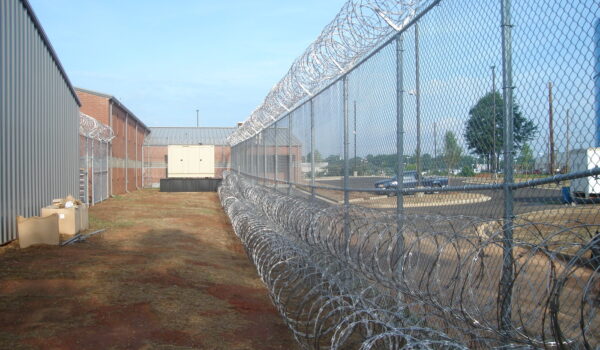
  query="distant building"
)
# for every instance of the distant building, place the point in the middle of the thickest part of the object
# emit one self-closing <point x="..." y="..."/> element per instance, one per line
<point x="156" y="149"/>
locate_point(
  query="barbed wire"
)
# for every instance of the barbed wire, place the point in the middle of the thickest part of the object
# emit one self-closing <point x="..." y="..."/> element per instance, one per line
<point x="359" y="27"/>
<point x="91" y="128"/>
<point x="433" y="282"/>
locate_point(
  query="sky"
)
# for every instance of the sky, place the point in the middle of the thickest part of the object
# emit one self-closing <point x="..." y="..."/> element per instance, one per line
<point x="165" y="59"/>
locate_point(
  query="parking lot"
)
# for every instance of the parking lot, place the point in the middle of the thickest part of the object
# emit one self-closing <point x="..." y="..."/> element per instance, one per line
<point x="526" y="200"/>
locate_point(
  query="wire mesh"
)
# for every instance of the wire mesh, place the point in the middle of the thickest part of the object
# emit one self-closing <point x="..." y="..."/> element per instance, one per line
<point x="445" y="156"/>
<point x="94" y="144"/>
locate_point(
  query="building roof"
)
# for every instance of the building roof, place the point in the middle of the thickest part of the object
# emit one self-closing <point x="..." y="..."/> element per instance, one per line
<point x="115" y="101"/>
<point x="37" y="25"/>
<point x="164" y="136"/>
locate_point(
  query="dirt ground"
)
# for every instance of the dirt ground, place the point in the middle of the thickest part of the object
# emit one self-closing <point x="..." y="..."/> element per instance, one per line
<point x="168" y="273"/>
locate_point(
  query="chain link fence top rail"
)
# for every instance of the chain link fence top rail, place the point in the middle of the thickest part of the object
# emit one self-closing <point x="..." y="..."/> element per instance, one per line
<point x="409" y="115"/>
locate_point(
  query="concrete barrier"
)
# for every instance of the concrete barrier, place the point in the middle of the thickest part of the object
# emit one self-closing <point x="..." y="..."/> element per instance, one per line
<point x="189" y="185"/>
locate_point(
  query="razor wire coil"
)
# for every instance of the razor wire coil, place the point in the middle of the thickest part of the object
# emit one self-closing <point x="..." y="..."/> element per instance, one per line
<point x="93" y="129"/>
<point x="357" y="29"/>
<point x="431" y="283"/>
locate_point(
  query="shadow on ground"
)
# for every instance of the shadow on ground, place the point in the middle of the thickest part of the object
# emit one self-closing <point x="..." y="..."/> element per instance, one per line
<point x="168" y="273"/>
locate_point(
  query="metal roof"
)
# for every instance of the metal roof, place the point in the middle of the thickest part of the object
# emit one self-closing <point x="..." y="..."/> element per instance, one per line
<point x="116" y="101"/>
<point x="38" y="26"/>
<point x="164" y="136"/>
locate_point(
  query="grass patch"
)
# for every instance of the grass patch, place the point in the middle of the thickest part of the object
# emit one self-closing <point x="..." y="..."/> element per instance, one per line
<point x="97" y="223"/>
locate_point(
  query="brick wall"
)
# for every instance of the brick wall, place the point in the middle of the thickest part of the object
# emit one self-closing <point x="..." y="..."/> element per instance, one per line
<point x="126" y="147"/>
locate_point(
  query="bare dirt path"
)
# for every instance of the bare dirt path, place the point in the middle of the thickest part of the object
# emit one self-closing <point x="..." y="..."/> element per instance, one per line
<point x="168" y="273"/>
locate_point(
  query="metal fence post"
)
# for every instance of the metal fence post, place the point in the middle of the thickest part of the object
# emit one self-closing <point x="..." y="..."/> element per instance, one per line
<point x="275" y="163"/>
<point x="400" y="133"/>
<point x="255" y="145"/>
<point x="92" y="171"/>
<point x="418" y="103"/>
<point x="346" y="159"/>
<point x="312" y="150"/>
<point x="107" y="170"/>
<point x="290" y="155"/>
<point x="264" y="142"/>
<point x="505" y="288"/>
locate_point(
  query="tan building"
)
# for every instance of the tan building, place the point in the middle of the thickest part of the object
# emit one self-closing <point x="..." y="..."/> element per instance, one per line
<point x="126" y="148"/>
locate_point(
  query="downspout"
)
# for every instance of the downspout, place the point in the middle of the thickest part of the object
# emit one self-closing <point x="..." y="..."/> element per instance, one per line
<point x="110" y="122"/>
<point x="126" y="152"/>
<point x="136" y="157"/>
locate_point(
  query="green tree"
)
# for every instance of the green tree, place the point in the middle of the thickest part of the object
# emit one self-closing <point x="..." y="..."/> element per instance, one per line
<point x="318" y="157"/>
<point x="481" y="130"/>
<point x="452" y="151"/>
<point x="526" y="161"/>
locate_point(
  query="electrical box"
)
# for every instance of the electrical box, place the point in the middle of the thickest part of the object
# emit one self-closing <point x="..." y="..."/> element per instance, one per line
<point x="191" y="161"/>
<point x="585" y="159"/>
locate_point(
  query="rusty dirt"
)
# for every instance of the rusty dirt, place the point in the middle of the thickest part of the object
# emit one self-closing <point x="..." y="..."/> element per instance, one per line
<point x="168" y="273"/>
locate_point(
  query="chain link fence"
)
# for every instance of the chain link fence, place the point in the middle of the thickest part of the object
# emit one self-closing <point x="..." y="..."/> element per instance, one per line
<point x="94" y="153"/>
<point x="461" y="139"/>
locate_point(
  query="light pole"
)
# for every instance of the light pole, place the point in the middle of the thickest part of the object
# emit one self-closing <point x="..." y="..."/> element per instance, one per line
<point x="355" y="137"/>
<point x="435" y="144"/>
<point x="418" y="104"/>
<point x="495" y="161"/>
<point x="197" y="118"/>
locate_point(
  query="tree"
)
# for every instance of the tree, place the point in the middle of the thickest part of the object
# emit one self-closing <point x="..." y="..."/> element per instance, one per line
<point x="480" y="132"/>
<point x="526" y="162"/>
<point x="452" y="151"/>
<point x="318" y="157"/>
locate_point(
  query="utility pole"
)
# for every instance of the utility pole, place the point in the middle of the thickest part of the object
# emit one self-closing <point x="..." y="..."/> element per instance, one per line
<point x="495" y="160"/>
<point x="418" y="102"/>
<point x="197" y="118"/>
<point x="568" y="163"/>
<point x="435" y="144"/>
<point x="355" y="135"/>
<point x="551" y="127"/>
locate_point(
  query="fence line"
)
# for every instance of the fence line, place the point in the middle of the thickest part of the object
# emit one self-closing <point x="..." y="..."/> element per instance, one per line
<point x="415" y="125"/>
<point x="440" y="275"/>
<point x="94" y="155"/>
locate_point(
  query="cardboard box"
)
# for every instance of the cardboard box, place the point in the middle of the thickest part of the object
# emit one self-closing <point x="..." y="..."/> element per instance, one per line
<point x="69" y="220"/>
<point x="38" y="230"/>
<point x="83" y="214"/>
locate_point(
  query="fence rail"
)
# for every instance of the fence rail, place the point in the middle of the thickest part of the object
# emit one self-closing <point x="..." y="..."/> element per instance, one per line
<point x="487" y="111"/>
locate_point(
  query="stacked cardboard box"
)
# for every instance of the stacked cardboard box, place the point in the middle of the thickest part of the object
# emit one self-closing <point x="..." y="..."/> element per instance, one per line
<point x="72" y="215"/>
<point x="38" y="230"/>
<point x="66" y="216"/>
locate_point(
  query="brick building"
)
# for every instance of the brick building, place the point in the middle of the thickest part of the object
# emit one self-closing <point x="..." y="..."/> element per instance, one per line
<point x="126" y="151"/>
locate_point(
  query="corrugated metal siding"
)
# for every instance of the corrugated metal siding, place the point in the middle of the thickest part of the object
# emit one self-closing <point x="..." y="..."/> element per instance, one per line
<point x="39" y="120"/>
<point x="164" y="136"/>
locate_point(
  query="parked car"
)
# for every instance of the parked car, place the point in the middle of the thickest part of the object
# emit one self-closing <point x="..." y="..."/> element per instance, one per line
<point x="410" y="181"/>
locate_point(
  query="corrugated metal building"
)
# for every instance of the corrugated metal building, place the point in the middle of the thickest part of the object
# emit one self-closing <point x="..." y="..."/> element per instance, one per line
<point x="126" y="148"/>
<point x="157" y="144"/>
<point x="39" y="120"/>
